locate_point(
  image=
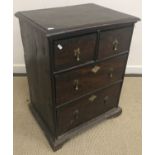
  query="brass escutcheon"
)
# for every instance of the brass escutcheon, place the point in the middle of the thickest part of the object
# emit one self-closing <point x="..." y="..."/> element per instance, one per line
<point x="92" y="98"/>
<point x="95" y="69"/>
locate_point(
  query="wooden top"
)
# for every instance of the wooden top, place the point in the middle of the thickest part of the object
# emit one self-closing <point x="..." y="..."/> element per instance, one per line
<point x="74" y="17"/>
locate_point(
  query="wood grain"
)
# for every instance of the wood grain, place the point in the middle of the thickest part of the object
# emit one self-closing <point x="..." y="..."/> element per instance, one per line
<point x="65" y="57"/>
<point x="88" y="80"/>
<point x="107" y="39"/>
<point x="83" y="110"/>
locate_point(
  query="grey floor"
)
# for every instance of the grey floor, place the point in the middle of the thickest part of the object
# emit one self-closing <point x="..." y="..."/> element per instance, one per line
<point x="118" y="136"/>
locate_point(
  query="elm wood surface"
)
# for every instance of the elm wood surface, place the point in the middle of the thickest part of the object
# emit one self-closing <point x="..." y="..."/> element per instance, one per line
<point x="65" y="50"/>
<point x="37" y="66"/>
<point x="71" y="18"/>
<point x="88" y="24"/>
<point x="87" y="108"/>
<point x="116" y="38"/>
<point x="109" y="71"/>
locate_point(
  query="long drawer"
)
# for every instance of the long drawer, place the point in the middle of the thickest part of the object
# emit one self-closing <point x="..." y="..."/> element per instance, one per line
<point x="88" y="107"/>
<point x="76" y="83"/>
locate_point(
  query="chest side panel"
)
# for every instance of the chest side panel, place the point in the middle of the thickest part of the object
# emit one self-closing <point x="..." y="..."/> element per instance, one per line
<point x="38" y="71"/>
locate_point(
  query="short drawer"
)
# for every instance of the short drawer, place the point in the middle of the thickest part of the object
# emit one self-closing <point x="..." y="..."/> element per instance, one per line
<point x="87" y="108"/>
<point x="114" y="42"/>
<point x="74" y="51"/>
<point x="73" y="84"/>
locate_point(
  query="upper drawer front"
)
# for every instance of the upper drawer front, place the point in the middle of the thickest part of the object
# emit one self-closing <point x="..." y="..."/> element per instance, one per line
<point x="74" y="51"/>
<point x="87" y="108"/>
<point x="113" y="42"/>
<point x="80" y="81"/>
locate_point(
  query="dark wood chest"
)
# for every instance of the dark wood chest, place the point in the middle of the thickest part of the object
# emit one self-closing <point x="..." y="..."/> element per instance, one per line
<point x="75" y="59"/>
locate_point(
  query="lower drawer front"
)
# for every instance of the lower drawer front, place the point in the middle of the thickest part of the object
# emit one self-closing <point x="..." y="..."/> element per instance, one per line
<point x="87" y="108"/>
<point x="76" y="83"/>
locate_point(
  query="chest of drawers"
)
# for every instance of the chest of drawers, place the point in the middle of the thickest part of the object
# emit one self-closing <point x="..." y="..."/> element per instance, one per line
<point x="75" y="60"/>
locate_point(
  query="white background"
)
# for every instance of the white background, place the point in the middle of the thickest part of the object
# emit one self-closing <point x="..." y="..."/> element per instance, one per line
<point x="6" y="83"/>
<point x="132" y="7"/>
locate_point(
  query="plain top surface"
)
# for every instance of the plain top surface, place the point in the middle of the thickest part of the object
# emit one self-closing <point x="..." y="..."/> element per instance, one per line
<point x="76" y="16"/>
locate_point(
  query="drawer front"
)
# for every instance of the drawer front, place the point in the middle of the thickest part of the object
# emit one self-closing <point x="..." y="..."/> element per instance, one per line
<point x="113" y="42"/>
<point x="87" y="108"/>
<point x="74" y="51"/>
<point x="80" y="81"/>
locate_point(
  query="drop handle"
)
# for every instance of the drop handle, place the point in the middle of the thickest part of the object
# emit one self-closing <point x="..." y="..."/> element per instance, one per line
<point x="111" y="73"/>
<point x="77" y="54"/>
<point x="76" y="85"/>
<point x="76" y="114"/>
<point x="106" y="98"/>
<point x="115" y="45"/>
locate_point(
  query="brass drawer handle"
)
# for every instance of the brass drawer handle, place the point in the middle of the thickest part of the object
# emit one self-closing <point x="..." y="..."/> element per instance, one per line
<point x="111" y="73"/>
<point x="75" y="116"/>
<point x="77" y="54"/>
<point x="106" y="98"/>
<point x="115" y="45"/>
<point x="95" y="69"/>
<point x="76" y="85"/>
<point x="92" y="98"/>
